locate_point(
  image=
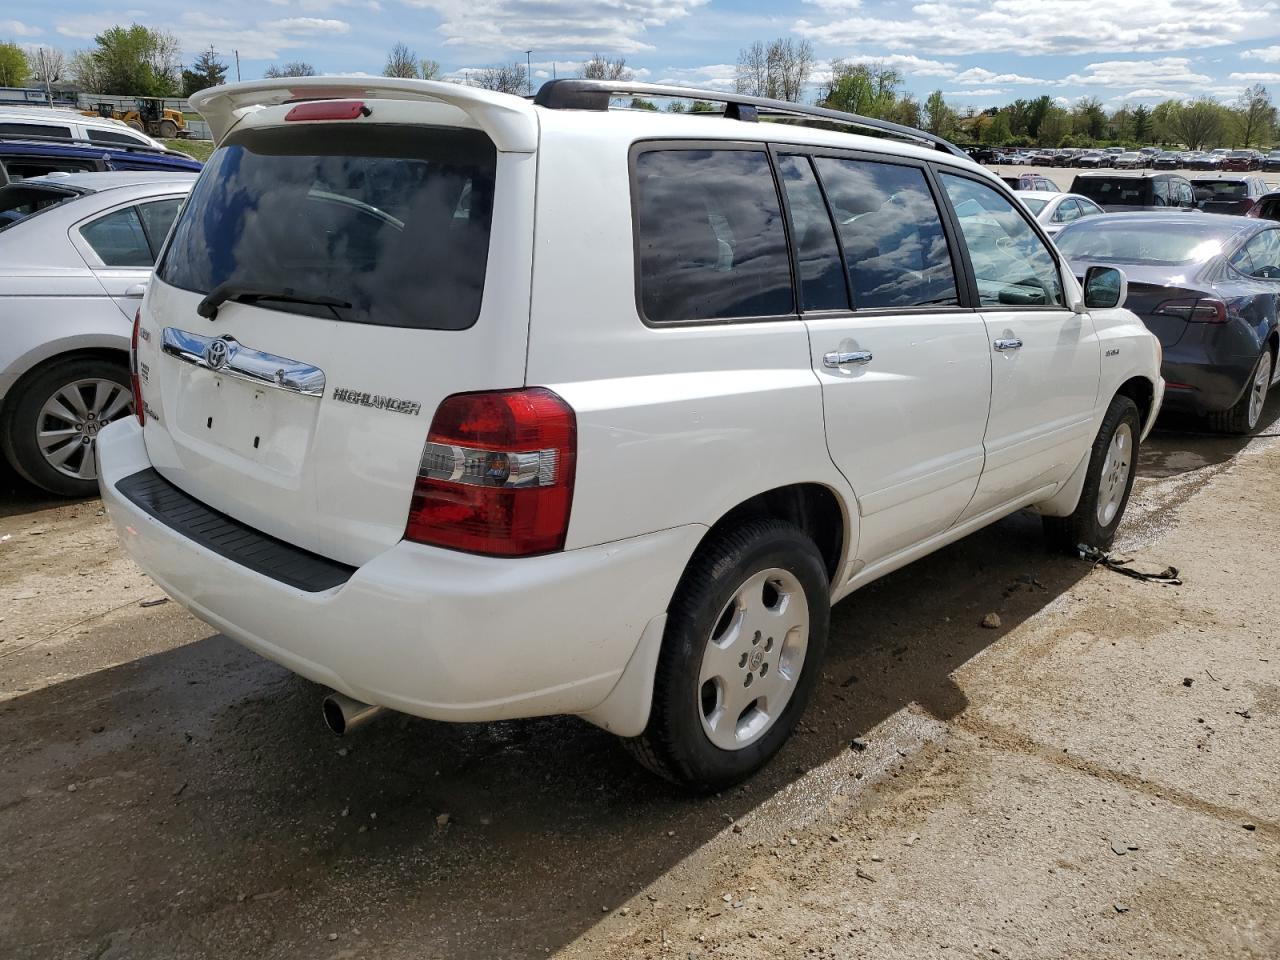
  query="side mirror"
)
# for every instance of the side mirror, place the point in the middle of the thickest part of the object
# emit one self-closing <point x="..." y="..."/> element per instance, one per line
<point x="1104" y="288"/>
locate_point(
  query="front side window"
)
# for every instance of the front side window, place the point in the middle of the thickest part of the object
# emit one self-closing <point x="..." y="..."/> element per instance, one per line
<point x="818" y="263"/>
<point x="710" y="236"/>
<point x="118" y="239"/>
<point x="391" y="222"/>
<point x="894" y="245"/>
<point x="1010" y="262"/>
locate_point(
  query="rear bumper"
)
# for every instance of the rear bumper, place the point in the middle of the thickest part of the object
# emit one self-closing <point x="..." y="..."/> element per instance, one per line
<point x="1208" y="368"/>
<point x="431" y="632"/>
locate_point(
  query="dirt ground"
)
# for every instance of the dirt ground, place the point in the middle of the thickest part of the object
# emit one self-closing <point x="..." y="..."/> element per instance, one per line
<point x="1097" y="778"/>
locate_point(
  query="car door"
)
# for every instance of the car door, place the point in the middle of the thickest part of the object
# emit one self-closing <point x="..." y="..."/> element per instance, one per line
<point x="120" y="246"/>
<point x="1044" y="356"/>
<point x="904" y="367"/>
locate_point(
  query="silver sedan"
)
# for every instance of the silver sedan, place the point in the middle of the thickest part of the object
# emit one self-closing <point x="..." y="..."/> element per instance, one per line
<point x="1056" y="210"/>
<point x="76" y="252"/>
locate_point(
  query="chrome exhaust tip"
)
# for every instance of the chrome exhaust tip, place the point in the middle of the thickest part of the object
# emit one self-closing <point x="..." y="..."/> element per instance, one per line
<point x="342" y="714"/>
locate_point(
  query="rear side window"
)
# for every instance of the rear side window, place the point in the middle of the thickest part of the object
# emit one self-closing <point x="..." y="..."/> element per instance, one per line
<point x="891" y="232"/>
<point x="1131" y="191"/>
<point x="112" y="136"/>
<point x="818" y="264"/>
<point x="392" y="220"/>
<point x="13" y="129"/>
<point x="118" y="239"/>
<point x="710" y="237"/>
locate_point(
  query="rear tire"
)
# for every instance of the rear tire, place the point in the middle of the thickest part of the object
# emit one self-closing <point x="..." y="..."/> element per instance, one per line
<point x="168" y="129"/>
<point x="137" y="125"/>
<point x="1113" y="463"/>
<point x="1243" y="417"/>
<point x="745" y="637"/>
<point x="50" y="425"/>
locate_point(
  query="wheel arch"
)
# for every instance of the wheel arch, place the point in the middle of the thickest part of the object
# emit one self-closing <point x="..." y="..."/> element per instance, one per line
<point x="1142" y="392"/>
<point x="96" y="352"/>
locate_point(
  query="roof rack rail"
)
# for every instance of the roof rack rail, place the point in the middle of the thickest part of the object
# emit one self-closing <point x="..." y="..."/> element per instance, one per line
<point x="596" y="94"/>
<point x="85" y="142"/>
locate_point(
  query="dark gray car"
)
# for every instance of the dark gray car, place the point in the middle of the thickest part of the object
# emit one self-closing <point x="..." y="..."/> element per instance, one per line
<point x="1150" y="191"/>
<point x="1208" y="287"/>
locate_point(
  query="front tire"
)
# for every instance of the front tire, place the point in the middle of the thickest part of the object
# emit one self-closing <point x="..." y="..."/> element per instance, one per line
<point x="745" y="637"/>
<point x="50" y="427"/>
<point x="1108" y="481"/>
<point x="1244" y="416"/>
<point x="168" y="129"/>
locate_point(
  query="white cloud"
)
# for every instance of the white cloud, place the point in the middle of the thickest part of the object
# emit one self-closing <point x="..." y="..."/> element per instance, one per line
<point x="1265" y="54"/>
<point x="843" y="5"/>
<point x="979" y="75"/>
<point x="1127" y="73"/>
<point x="715" y="76"/>
<point x="979" y="92"/>
<point x="1051" y="27"/>
<point x="1256" y="77"/>
<point x="1148" y="94"/>
<point x="309" y="25"/>
<point x="572" y="26"/>
<point x="16" y="28"/>
<point x="907" y="63"/>
<point x="86" y="26"/>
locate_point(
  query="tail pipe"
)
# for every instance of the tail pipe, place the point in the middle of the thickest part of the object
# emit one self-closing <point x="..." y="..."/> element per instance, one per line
<point x="342" y="714"/>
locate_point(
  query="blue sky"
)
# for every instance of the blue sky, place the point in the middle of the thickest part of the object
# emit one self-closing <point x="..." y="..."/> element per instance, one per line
<point x="978" y="52"/>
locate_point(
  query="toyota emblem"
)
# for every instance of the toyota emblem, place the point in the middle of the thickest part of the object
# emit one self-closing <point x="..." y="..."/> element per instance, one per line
<point x="216" y="354"/>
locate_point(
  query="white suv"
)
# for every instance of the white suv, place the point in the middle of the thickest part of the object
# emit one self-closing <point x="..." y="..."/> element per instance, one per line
<point x="474" y="408"/>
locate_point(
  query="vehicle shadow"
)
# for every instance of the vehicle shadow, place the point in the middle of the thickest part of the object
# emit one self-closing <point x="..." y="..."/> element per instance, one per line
<point x="17" y="496"/>
<point x="214" y="816"/>
<point x="1180" y="444"/>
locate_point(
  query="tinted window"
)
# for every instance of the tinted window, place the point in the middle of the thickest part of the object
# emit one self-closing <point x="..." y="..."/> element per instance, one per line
<point x="892" y="236"/>
<point x="1133" y="191"/>
<point x="822" y="285"/>
<point x="13" y="129"/>
<point x="1010" y="261"/>
<point x="111" y="136"/>
<point x="393" y="221"/>
<point x="1221" y="189"/>
<point x="19" y="201"/>
<point x="23" y="168"/>
<point x="157" y="218"/>
<point x="710" y="236"/>
<point x="1260" y="256"/>
<point x="118" y="239"/>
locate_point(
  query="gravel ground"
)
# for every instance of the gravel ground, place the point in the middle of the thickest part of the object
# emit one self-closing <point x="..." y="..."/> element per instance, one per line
<point x="1096" y="778"/>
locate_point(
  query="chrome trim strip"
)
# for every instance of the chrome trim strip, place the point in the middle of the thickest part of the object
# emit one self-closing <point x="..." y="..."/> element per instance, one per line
<point x="243" y="363"/>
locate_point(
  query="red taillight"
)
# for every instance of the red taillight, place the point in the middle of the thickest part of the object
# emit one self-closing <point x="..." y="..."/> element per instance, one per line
<point x="134" y="379"/>
<point x="496" y="474"/>
<point x="1204" y="310"/>
<point x="329" y="110"/>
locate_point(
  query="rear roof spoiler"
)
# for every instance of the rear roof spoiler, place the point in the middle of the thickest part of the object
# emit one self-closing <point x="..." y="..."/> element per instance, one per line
<point x="510" y="122"/>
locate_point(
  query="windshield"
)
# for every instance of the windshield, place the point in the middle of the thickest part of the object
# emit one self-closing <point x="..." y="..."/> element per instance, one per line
<point x="392" y="220"/>
<point x="1134" y="191"/>
<point x="1034" y="204"/>
<point x="21" y="201"/>
<point x="1154" y="242"/>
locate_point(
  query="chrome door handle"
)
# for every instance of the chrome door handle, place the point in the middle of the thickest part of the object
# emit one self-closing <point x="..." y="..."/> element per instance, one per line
<point x="837" y="360"/>
<point x="1009" y="343"/>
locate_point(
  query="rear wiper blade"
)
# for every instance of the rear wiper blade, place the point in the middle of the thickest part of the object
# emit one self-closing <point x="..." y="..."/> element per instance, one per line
<point x="250" y="292"/>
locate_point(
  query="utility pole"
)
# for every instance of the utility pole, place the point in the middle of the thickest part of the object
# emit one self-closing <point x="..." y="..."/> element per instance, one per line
<point x="528" y="72"/>
<point x="237" y="66"/>
<point x="44" y="72"/>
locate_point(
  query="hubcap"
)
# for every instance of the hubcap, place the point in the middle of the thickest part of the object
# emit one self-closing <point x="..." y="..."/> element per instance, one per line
<point x="1115" y="474"/>
<point x="70" y="420"/>
<point x="1258" y="390"/>
<point x="753" y="659"/>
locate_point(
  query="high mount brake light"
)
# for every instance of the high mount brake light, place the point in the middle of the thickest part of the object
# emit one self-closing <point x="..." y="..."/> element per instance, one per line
<point x="134" y="380"/>
<point x="329" y="110"/>
<point x="1204" y="310"/>
<point x="496" y="475"/>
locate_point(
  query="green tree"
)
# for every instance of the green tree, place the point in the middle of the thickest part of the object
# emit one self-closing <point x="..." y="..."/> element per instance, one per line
<point x="13" y="65"/>
<point x="1054" y="128"/>
<point x="997" y="132"/>
<point x="1200" y="123"/>
<point x="867" y="89"/>
<point x="1255" y="116"/>
<point x="129" y="61"/>
<point x="1089" y="118"/>
<point x="639" y="103"/>
<point x="207" y="71"/>
<point x="294" y="68"/>
<point x="939" y="118"/>
<point x="1142" y="124"/>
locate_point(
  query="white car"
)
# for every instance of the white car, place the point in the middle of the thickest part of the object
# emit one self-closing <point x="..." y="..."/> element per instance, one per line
<point x="393" y="438"/>
<point x="1056" y="210"/>
<point x="76" y="251"/>
<point x="70" y="125"/>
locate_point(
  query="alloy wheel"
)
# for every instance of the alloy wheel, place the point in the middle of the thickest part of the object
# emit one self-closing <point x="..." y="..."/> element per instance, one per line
<point x="71" y="419"/>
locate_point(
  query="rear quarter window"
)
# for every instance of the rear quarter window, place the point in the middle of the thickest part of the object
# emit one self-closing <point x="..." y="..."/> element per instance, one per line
<point x="710" y="239"/>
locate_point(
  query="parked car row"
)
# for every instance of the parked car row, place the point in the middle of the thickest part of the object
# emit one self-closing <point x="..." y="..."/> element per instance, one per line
<point x="1146" y="158"/>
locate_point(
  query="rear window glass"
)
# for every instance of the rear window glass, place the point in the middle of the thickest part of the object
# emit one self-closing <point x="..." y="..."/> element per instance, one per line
<point x="19" y="201"/>
<point x="1134" y="191"/>
<point x="1221" y="189"/>
<point x="710" y="237"/>
<point x="392" y="220"/>
<point x="1158" y="243"/>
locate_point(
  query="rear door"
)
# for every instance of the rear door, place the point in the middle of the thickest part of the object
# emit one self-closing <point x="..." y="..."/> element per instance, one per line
<point x="307" y="420"/>
<point x="1044" y="357"/>
<point x="904" y="367"/>
<point x="120" y="246"/>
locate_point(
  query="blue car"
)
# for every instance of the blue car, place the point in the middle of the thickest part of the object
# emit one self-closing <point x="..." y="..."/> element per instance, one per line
<point x="1208" y="286"/>
<point x="28" y="157"/>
